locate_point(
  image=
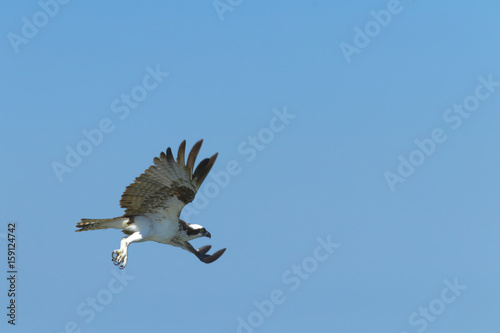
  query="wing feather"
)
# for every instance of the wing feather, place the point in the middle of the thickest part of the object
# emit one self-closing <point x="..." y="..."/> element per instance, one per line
<point x="167" y="185"/>
<point x="170" y="156"/>
<point x="192" y="156"/>
<point x="203" y="168"/>
<point x="180" y="153"/>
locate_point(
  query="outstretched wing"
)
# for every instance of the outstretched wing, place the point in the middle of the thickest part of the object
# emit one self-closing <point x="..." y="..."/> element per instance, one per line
<point x="168" y="185"/>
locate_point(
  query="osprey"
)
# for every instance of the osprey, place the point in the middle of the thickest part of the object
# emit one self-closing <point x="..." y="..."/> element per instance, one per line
<point x="153" y="203"/>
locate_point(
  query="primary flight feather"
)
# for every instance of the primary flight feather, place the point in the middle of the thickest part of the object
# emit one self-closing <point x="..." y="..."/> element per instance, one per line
<point x="153" y="203"/>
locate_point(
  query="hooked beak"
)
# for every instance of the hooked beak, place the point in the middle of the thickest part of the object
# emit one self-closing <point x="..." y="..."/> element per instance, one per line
<point x="207" y="234"/>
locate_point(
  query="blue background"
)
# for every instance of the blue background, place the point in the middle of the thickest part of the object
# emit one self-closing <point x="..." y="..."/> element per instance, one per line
<point x="321" y="175"/>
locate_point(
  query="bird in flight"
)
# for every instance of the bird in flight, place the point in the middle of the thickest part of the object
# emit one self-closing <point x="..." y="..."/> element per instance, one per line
<point x="153" y="203"/>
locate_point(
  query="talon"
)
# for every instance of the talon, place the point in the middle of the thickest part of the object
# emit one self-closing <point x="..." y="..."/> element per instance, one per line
<point x="119" y="258"/>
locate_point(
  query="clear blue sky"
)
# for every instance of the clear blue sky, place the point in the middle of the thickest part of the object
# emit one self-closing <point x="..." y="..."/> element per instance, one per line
<point x="362" y="140"/>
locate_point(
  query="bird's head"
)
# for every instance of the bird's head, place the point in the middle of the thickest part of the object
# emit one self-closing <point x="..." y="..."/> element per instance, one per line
<point x="197" y="231"/>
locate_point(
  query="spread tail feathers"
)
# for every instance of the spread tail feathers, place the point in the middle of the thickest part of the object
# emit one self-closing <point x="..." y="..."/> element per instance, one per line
<point x="95" y="224"/>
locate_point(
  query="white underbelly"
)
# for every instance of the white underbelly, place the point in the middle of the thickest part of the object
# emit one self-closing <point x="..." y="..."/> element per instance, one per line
<point x="163" y="230"/>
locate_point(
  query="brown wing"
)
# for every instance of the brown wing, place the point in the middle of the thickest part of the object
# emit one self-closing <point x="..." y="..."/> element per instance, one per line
<point x="168" y="185"/>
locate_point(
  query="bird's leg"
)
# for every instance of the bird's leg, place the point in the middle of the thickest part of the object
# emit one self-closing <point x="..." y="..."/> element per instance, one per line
<point x="120" y="256"/>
